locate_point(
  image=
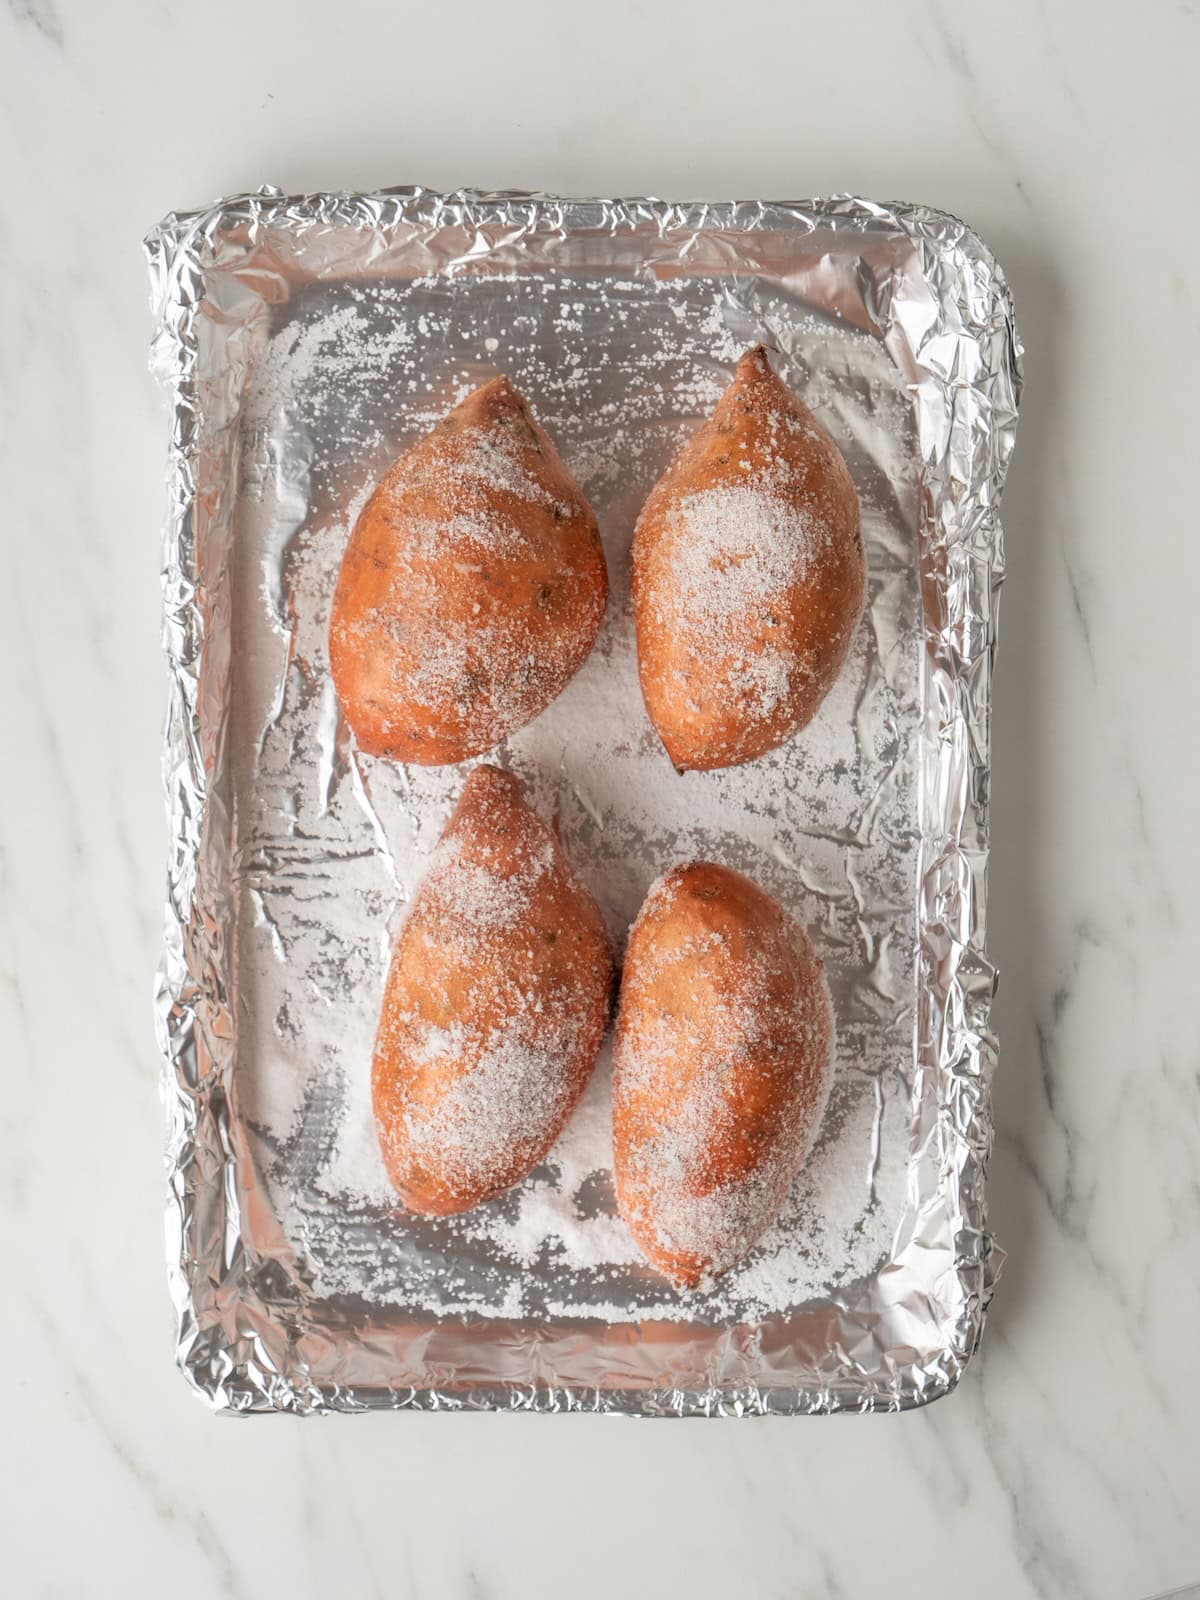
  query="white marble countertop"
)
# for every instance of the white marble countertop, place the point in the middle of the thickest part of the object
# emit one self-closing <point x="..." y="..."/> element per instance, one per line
<point x="1068" y="1461"/>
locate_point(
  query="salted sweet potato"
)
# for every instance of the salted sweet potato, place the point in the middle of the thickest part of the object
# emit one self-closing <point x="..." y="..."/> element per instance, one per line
<point x="748" y="576"/>
<point x="721" y="1068"/>
<point x="495" y="1007"/>
<point x="472" y="588"/>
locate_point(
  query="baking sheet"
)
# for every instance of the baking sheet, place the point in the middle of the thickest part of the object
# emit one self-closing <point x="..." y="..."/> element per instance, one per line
<point x="305" y="342"/>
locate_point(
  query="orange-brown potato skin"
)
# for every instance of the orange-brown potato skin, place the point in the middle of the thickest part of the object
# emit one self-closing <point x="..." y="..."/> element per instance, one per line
<point x="720" y="1070"/>
<point x="692" y="669"/>
<point x="503" y="959"/>
<point x="466" y="602"/>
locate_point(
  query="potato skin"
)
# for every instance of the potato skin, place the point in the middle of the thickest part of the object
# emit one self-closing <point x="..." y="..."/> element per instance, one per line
<point x="472" y="588"/>
<point x="495" y="1007"/>
<point x="749" y="576"/>
<point x="721" y="1068"/>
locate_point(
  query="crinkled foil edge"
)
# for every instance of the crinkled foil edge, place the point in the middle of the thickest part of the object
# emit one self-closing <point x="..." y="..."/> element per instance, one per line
<point x="241" y="1347"/>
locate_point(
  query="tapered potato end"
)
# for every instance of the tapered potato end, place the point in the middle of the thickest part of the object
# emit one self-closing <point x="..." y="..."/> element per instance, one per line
<point x="754" y="372"/>
<point x="495" y="403"/>
<point x="493" y="824"/>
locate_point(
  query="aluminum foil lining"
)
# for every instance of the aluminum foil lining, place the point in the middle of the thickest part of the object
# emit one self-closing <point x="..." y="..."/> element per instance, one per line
<point x="303" y="341"/>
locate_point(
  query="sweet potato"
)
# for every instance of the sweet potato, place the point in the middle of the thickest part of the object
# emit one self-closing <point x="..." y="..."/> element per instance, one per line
<point x="495" y="1007"/>
<point x="748" y="576"/>
<point x="721" y="1068"/>
<point x="471" y="591"/>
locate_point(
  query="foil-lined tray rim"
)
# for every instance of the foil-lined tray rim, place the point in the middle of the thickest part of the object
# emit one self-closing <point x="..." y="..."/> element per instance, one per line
<point x="237" y="1366"/>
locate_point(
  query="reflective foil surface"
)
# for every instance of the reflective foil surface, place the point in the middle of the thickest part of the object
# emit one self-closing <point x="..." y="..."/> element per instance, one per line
<point x="303" y="342"/>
